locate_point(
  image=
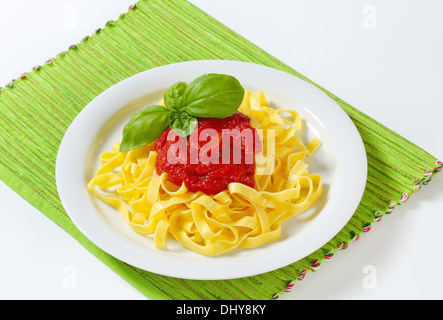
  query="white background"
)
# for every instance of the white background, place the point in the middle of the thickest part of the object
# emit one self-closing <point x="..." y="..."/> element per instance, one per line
<point x="383" y="57"/>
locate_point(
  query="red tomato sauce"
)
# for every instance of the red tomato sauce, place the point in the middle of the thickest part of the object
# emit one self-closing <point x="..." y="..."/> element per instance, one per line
<point x="218" y="152"/>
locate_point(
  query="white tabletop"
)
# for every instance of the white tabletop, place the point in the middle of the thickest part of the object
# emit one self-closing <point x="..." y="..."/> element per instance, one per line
<point x="383" y="57"/>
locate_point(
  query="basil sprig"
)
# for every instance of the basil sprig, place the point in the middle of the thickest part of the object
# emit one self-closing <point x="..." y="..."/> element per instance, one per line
<point x="209" y="96"/>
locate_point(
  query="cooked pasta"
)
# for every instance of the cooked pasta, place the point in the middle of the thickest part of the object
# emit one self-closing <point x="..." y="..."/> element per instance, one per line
<point x="238" y="217"/>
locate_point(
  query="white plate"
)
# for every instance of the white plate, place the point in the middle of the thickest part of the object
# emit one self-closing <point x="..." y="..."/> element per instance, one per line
<point x="341" y="161"/>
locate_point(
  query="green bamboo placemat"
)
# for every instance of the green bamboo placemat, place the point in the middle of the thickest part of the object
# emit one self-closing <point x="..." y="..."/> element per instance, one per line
<point x="37" y="108"/>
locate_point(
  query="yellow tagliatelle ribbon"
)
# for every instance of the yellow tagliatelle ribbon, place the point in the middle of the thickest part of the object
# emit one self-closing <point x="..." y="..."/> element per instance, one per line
<point x="238" y="217"/>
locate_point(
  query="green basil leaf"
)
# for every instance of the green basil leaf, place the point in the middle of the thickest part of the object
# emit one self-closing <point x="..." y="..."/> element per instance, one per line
<point x="213" y="96"/>
<point x="144" y="127"/>
<point x="182" y="123"/>
<point x="174" y="96"/>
